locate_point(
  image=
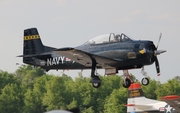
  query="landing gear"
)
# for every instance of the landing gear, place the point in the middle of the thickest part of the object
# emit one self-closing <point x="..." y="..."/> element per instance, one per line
<point x="145" y="80"/>
<point x="127" y="79"/>
<point x="126" y="83"/>
<point x="96" y="82"/>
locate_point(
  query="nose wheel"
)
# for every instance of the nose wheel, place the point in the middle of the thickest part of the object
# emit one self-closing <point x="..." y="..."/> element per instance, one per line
<point x="145" y="81"/>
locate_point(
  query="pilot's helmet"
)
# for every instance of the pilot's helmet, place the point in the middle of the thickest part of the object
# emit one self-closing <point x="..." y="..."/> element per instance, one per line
<point x="117" y="37"/>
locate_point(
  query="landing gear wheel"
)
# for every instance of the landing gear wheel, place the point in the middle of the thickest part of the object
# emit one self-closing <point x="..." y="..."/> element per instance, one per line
<point x="126" y="83"/>
<point x="96" y="82"/>
<point x="96" y="85"/>
<point x="145" y="81"/>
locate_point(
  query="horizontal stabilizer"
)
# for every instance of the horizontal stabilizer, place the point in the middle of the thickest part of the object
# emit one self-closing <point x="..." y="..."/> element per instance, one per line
<point x="39" y="56"/>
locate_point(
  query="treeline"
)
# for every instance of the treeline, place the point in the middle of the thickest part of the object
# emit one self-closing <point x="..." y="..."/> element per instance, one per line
<point x="31" y="90"/>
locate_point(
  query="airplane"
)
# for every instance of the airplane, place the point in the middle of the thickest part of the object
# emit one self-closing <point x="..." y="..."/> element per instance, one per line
<point x="111" y="52"/>
<point x="138" y="103"/>
<point x="173" y="101"/>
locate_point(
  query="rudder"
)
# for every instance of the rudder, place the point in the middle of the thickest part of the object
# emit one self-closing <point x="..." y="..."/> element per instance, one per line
<point x="135" y="91"/>
<point x="32" y="42"/>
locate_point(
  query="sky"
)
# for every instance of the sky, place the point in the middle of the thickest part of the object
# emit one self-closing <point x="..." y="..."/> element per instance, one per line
<point x="69" y="23"/>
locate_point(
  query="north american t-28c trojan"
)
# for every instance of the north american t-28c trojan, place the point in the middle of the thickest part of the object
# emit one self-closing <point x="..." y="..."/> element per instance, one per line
<point x="111" y="52"/>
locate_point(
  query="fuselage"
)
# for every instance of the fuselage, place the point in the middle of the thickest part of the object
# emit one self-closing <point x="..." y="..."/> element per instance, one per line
<point x="126" y="53"/>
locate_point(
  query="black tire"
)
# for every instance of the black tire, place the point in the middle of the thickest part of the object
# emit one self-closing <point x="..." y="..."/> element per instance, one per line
<point x="126" y="83"/>
<point x="96" y="85"/>
<point x="145" y="81"/>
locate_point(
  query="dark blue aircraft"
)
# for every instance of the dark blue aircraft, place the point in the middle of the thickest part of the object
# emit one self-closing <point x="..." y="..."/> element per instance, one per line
<point x="111" y="52"/>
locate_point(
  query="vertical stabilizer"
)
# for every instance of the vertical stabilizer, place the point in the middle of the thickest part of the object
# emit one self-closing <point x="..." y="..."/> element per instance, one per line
<point x="32" y="42"/>
<point x="134" y="91"/>
<point x="33" y="46"/>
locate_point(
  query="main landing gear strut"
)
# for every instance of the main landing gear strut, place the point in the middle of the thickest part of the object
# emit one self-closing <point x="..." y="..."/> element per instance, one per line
<point x="96" y="82"/>
<point x="127" y="79"/>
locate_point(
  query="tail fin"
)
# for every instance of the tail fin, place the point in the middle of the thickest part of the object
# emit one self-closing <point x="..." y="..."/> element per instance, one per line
<point x="32" y="42"/>
<point x="33" y="45"/>
<point x="135" y="91"/>
<point x="135" y="96"/>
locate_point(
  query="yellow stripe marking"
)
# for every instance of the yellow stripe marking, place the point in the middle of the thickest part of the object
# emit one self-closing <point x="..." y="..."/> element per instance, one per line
<point x="32" y="37"/>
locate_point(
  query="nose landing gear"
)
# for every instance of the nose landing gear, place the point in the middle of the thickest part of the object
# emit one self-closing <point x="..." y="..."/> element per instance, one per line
<point x="145" y="80"/>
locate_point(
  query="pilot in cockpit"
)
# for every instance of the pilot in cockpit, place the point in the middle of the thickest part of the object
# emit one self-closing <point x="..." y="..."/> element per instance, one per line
<point x="116" y="38"/>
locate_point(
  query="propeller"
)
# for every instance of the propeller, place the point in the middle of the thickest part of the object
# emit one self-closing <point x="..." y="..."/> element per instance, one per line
<point x="158" y="52"/>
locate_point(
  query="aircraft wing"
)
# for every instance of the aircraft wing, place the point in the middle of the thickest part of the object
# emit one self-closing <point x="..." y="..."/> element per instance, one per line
<point x="84" y="58"/>
<point x="173" y="101"/>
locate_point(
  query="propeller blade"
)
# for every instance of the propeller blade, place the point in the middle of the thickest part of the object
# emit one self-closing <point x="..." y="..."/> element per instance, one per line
<point x="159" y="40"/>
<point x="158" y="52"/>
<point x="157" y="66"/>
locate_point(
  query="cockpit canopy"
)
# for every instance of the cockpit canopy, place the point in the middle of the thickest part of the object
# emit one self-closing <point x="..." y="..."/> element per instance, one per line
<point x="108" y="38"/>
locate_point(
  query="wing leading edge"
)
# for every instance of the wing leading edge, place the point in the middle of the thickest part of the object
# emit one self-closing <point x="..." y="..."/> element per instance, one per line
<point x="85" y="58"/>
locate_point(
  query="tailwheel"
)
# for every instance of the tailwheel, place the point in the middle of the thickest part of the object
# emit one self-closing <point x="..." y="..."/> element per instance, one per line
<point x="126" y="83"/>
<point x="145" y="81"/>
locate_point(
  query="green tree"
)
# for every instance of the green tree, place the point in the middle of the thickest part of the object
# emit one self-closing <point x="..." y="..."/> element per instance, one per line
<point x="169" y="88"/>
<point x="57" y="96"/>
<point x="28" y="70"/>
<point x="6" y="78"/>
<point x="34" y="97"/>
<point x="27" y="75"/>
<point x="11" y="99"/>
<point x="149" y="90"/>
<point x="115" y="102"/>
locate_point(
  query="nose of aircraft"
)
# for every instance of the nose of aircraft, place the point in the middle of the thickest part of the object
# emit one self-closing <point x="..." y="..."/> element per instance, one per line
<point x="152" y="53"/>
